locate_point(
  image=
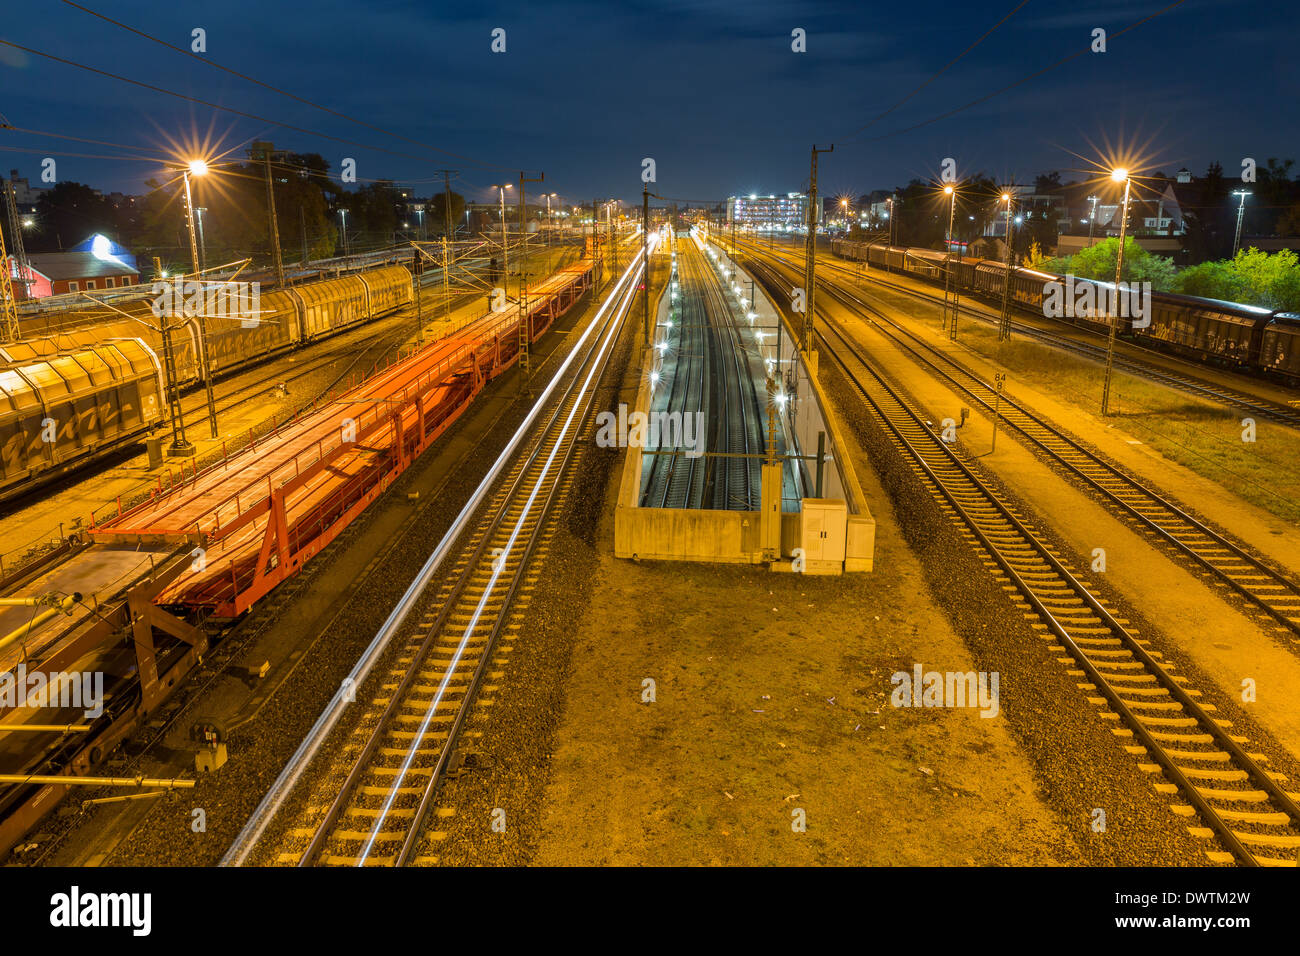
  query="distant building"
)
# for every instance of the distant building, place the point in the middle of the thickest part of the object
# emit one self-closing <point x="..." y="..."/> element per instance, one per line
<point x="1023" y="201"/>
<point x="105" y="248"/>
<point x="25" y="195"/>
<point x="56" y="273"/>
<point x="788" y="212"/>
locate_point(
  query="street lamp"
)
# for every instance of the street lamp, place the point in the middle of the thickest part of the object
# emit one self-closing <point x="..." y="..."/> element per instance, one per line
<point x="1241" y="212"/>
<point x="1120" y="175"/>
<point x="1004" y="327"/>
<point x="951" y="192"/>
<point x="1092" y="217"/>
<point x="343" y="218"/>
<point x="198" y="167"/>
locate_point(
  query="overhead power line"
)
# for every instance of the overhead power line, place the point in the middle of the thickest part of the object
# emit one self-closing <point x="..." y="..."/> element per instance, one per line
<point x="275" y="89"/>
<point x="210" y="105"/>
<point x="1032" y="76"/>
<point x="941" y="72"/>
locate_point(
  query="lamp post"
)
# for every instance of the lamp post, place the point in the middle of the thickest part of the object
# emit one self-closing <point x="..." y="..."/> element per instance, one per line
<point x="1241" y="212"/>
<point x="197" y="167"/>
<point x="1004" y="327"/>
<point x="1092" y="217"/>
<point x="343" y="218"/>
<point x="891" y="220"/>
<point x="951" y="192"/>
<point x="1120" y="175"/>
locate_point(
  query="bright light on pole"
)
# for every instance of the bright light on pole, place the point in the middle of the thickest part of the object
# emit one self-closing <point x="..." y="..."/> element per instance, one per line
<point x="197" y="167"/>
<point x="1004" y="326"/>
<point x="1241" y="212"/>
<point x="1120" y="175"/>
<point x="951" y="192"/>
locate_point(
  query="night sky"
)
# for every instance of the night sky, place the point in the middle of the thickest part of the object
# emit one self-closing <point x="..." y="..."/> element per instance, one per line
<point x="710" y="90"/>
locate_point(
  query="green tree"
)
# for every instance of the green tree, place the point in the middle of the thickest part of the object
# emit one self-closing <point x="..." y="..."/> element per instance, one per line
<point x="1252" y="277"/>
<point x="68" y="213"/>
<point x="1098" y="262"/>
<point x="1275" y="192"/>
<point x="921" y="215"/>
<point x="372" y="215"/>
<point x="435" y="218"/>
<point x="1210" y="280"/>
<point x="1211" y="221"/>
<point x="303" y="195"/>
<point x="1288" y="224"/>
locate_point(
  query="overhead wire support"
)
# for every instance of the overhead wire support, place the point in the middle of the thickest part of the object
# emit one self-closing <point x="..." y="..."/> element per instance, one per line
<point x="525" y="325"/>
<point x="264" y="149"/>
<point x="810" y="262"/>
<point x="10" y="330"/>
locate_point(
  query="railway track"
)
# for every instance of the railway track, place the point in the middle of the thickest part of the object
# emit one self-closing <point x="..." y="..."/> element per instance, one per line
<point x="364" y="355"/>
<point x="1196" y="761"/>
<point x="229" y="647"/>
<point x="677" y="481"/>
<point x="384" y="777"/>
<point x="1186" y="383"/>
<point x="1261" y="586"/>
<point x="736" y="486"/>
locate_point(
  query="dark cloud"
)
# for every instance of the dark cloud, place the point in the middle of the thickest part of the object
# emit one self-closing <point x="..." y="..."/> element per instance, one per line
<point x="711" y="90"/>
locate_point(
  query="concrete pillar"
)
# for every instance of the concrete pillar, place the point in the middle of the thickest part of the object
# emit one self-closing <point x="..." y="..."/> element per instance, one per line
<point x="769" y="517"/>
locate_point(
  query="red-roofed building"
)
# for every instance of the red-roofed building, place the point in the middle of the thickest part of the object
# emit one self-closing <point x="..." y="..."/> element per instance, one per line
<point x="55" y="273"/>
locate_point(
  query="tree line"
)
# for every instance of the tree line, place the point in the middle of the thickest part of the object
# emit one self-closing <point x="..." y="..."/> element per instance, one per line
<point x="235" y="219"/>
<point x="1207" y="203"/>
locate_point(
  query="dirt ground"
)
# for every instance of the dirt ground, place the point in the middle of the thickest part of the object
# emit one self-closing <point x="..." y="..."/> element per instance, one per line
<point x="771" y="697"/>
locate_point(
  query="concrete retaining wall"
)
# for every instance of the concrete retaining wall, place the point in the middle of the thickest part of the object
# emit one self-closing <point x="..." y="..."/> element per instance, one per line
<point x="733" y="536"/>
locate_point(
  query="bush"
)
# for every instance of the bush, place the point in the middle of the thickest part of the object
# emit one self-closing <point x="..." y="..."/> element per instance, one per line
<point x="1098" y="262"/>
<point x="1251" y="277"/>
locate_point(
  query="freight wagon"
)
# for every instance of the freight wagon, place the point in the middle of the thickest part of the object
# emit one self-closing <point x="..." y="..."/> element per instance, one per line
<point x="1226" y="334"/>
<point x="74" y="395"/>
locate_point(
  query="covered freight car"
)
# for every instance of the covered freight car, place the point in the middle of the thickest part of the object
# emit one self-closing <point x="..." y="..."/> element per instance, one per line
<point x="234" y="342"/>
<point x="1226" y="333"/>
<point x="58" y="412"/>
<point x="325" y="307"/>
<point x="1279" y="352"/>
<point x="389" y="289"/>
